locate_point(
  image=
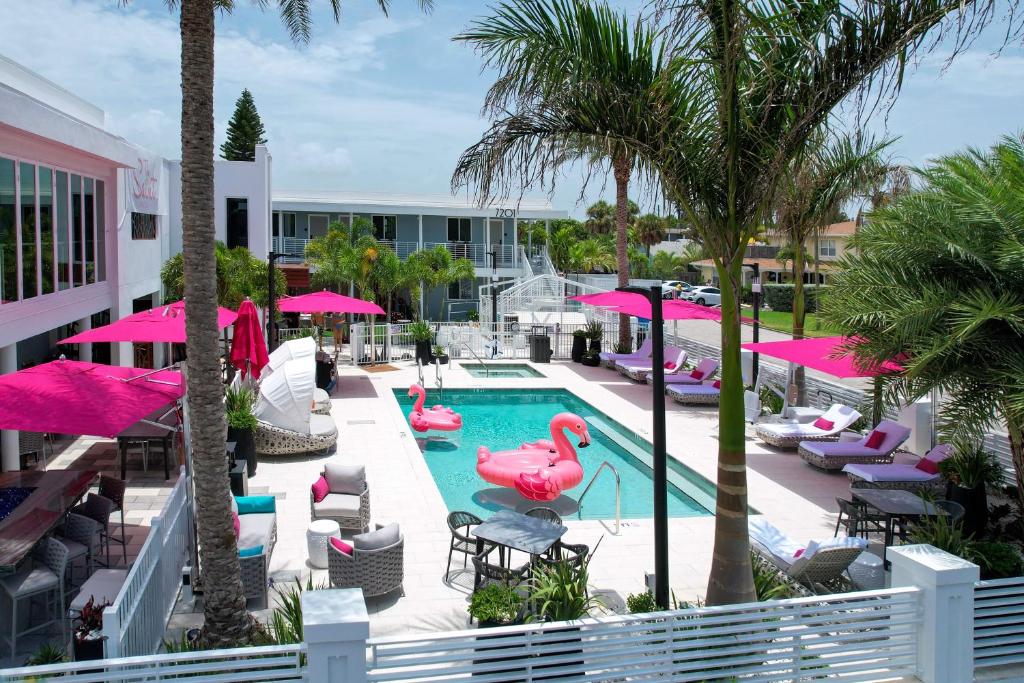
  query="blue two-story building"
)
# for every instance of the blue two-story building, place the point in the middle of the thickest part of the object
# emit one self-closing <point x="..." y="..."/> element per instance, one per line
<point x="408" y="223"/>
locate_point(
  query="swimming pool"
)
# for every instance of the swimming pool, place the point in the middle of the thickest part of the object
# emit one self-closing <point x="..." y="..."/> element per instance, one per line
<point x="502" y="419"/>
<point x="501" y="370"/>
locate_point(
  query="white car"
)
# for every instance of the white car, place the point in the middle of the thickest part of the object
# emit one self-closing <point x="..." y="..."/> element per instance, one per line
<point x="705" y="296"/>
<point x="668" y="289"/>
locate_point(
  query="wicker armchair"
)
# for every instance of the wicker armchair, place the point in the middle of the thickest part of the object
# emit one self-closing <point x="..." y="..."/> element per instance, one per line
<point x="377" y="570"/>
<point x="497" y="573"/>
<point x="273" y="440"/>
<point x="461" y="523"/>
<point x="348" y="499"/>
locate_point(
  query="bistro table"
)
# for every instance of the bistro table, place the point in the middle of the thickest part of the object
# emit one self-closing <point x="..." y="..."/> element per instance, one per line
<point x="509" y="529"/>
<point x="54" y="492"/>
<point x="897" y="504"/>
<point x="154" y="427"/>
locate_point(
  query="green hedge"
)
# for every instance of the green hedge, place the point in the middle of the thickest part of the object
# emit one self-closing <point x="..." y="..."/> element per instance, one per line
<point x="780" y="297"/>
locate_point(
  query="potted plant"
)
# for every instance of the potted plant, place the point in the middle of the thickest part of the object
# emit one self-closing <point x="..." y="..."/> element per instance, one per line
<point x="422" y="335"/>
<point x="968" y="472"/>
<point x="623" y="348"/>
<point x="591" y="358"/>
<point x="579" y="345"/>
<point x="473" y="317"/>
<point x="495" y="605"/>
<point x="238" y="405"/>
<point x="558" y="592"/>
<point x="595" y="332"/>
<point x="440" y="355"/>
<point x="88" y="639"/>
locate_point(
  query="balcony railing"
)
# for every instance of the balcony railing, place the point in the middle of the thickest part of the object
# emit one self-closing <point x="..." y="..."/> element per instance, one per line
<point x="293" y="250"/>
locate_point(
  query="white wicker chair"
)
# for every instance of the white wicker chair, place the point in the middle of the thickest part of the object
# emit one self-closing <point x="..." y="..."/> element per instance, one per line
<point x="378" y="571"/>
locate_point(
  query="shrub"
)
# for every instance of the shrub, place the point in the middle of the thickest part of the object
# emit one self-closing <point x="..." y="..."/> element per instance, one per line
<point x="998" y="560"/>
<point x="496" y="603"/>
<point x="971" y="466"/>
<point x="768" y="583"/>
<point x="238" y="406"/>
<point x="420" y="331"/>
<point x="641" y="603"/>
<point x="780" y="297"/>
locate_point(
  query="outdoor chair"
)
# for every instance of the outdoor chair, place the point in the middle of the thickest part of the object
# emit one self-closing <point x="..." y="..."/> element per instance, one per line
<point x="256" y="538"/>
<point x="706" y="393"/>
<point x="82" y="536"/>
<point x="285" y="421"/>
<point x="341" y="494"/>
<point x="878" y="446"/>
<point x="820" y="567"/>
<point x="788" y="435"/>
<point x="113" y="489"/>
<point x="955" y="510"/>
<point x="98" y="508"/>
<point x="45" y="578"/>
<point x="34" y="444"/>
<point x="675" y="360"/>
<point x="374" y="561"/>
<point x="857" y="519"/>
<point x="609" y="358"/>
<point x="545" y="513"/>
<point x="461" y="524"/>
<point x="705" y="370"/>
<point x="486" y="572"/>
<point x="922" y="476"/>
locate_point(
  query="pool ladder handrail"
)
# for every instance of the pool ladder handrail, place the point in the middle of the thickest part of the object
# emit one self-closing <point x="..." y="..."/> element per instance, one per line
<point x="487" y="370"/>
<point x="618" y="493"/>
<point x="438" y="382"/>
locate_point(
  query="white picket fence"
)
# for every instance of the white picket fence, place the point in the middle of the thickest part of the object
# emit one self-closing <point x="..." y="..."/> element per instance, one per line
<point x="136" y="621"/>
<point x="999" y="622"/>
<point x="860" y="636"/>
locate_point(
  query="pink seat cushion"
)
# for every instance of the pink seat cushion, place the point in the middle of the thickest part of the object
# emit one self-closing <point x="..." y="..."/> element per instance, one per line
<point x="875" y="439"/>
<point x="799" y="552"/>
<point x="822" y="423"/>
<point x="926" y="465"/>
<point x="236" y="522"/>
<point x="320" y="489"/>
<point x="669" y="365"/>
<point x="697" y="374"/>
<point x="717" y="384"/>
<point x="341" y="545"/>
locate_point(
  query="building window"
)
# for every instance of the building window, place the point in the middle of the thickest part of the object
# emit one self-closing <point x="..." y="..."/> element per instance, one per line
<point x="90" y="230"/>
<point x="143" y="226"/>
<point x="8" y="238"/>
<point x="318" y="223"/>
<point x="63" y="233"/>
<point x="385" y="227"/>
<point x="237" y="222"/>
<point x="77" y="269"/>
<point x="284" y="224"/>
<point x="460" y="290"/>
<point x="27" y="179"/>
<point x="46" y="242"/>
<point x="827" y="248"/>
<point x="460" y="230"/>
<point x="101" y="234"/>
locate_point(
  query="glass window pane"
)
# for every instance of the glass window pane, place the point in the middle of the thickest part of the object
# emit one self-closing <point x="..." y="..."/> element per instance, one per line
<point x="90" y="232"/>
<point x="46" y="227"/>
<point x="76" y="230"/>
<point x="63" y="248"/>
<point x="27" y="182"/>
<point x="8" y="242"/>
<point x="101" y="234"/>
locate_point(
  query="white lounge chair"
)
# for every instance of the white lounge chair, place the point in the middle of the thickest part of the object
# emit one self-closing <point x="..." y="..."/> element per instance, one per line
<point x="705" y="393"/>
<point x="675" y="359"/>
<point x="877" y="447"/>
<point x="608" y="358"/>
<point x="921" y="475"/>
<point x="304" y="349"/>
<point x="705" y="370"/>
<point x="790" y="434"/>
<point x="813" y="564"/>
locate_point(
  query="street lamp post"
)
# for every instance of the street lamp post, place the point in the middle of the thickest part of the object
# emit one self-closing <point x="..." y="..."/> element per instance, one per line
<point x="755" y="288"/>
<point x="494" y="288"/>
<point x="661" y="591"/>
<point x="271" y="301"/>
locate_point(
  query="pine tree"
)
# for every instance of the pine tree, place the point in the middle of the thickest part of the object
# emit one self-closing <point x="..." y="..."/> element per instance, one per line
<point x="245" y="131"/>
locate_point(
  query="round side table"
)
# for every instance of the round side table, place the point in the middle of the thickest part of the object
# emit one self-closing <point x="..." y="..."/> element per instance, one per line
<point x="317" y="538"/>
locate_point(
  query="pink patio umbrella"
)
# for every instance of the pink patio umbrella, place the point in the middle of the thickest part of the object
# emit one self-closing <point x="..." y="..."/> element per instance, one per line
<point x="248" y="348"/>
<point x="327" y="302"/>
<point x="827" y="354"/>
<point x="163" y="324"/>
<point x="73" y="397"/>
<point x="639" y="306"/>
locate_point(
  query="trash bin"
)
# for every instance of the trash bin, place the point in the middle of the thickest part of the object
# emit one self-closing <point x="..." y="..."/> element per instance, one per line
<point x="540" y="345"/>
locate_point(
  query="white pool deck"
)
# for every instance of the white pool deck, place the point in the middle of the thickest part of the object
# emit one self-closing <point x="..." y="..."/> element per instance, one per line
<point x="792" y="495"/>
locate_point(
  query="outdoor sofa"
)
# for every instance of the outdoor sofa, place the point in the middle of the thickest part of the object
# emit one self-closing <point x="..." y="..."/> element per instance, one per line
<point x="878" y="446"/>
<point x="256" y="528"/>
<point x="789" y="435"/>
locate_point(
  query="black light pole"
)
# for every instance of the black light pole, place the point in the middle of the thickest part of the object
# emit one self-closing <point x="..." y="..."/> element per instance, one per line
<point x="660" y="458"/>
<point x="755" y="288"/>
<point x="271" y="301"/>
<point x="494" y="288"/>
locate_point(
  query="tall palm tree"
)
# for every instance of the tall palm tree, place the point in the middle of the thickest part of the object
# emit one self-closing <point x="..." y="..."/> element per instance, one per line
<point x="601" y="218"/>
<point x="650" y="230"/>
<point x="935" y="278"/>
<point x="716" y="109"/>
<point x="226" y="621"/>
<point x="592" y="256"/>
<point x="437" y="268"/>
<point x="667" y="265"/>
<point x="329" y="258"/>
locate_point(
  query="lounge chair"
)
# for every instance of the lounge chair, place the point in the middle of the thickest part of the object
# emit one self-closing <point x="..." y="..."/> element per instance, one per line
<point x="923" y="475"/>
<point x="374" y="561"/>
<point x="608" y="358"/>
<point x="814" y="564"/>
<point x="704" y="393"/>
<point x="705" y="370"/>
<point x="285" y="422"/>
<point x="341" y="494"/>
<point x="789" y="435"/>
<point x="877" y="447"/>
<point x="638" y="370"/>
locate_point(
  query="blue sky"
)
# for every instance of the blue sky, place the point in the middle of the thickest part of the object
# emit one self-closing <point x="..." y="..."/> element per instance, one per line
<point x="387" y="104"/>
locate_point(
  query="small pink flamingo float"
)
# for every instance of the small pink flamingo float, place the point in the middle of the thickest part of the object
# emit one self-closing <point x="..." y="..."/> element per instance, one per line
<point x="540" y="470"/>
<point x="438" y="417"/>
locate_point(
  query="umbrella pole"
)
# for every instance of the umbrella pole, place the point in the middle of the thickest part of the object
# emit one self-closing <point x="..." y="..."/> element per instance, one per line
<point x="186" y="441"/>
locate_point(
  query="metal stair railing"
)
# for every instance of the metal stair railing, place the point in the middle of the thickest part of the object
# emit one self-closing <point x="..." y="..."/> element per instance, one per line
<point x="618" y="493"/>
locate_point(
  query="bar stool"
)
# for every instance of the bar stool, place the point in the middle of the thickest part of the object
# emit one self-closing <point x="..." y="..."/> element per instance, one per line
<point x="98" y="508"/>
<point x="82" y="537"/>
<point x="45" y="578"/>
<point x="112" y="489"/>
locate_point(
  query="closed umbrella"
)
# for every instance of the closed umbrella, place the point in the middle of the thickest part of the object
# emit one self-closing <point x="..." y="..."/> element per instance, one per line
<point x="74" y="397"/>
<point x="248" y="348"/>
<point x="163" y="324"/>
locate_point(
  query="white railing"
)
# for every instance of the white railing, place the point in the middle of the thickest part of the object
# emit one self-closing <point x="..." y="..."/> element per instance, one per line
<point x="293" y="247"/>
<point x="136" y="621"/>
<point x="860" y="636"/>
<point x="999" y="622"/>
<point x="479" y="253"/>
<point x="271" y="663"/>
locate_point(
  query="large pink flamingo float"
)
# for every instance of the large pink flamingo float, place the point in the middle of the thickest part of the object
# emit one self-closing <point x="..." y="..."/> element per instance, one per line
<point x="540" y="470"/>
<point x="438" y="417"/>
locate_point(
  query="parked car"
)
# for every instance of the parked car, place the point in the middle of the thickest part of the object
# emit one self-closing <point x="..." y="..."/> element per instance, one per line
<point x="705" y="296"/>
<point x="668" y="289"/>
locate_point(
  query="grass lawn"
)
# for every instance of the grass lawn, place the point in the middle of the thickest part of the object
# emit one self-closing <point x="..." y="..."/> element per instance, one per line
<point x="782" y="321"/>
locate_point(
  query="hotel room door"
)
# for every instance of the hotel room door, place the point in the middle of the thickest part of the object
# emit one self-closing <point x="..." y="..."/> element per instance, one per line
<point x="495" y="230"/>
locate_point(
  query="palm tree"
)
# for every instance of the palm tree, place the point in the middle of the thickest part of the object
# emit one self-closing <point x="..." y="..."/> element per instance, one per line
<point x="329" y="258"/>
<point x="561" y="242"/>
<point x="592" y="256"/>
<point x="717" y="111"/>
<point x="668" y="266"/>
<point x="934" y="278"/>
<point x="226" y="621"/>
<point x="650" y="230"/>
<point x="601" y="218"/>
<point x="437" y="268"/>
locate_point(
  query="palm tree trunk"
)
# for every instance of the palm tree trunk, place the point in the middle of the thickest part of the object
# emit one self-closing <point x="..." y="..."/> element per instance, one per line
<point x="226" y="621"/>
<point x="799" y="314"/>
<point x="622" y="167"/>
<point x="731" y="580"/>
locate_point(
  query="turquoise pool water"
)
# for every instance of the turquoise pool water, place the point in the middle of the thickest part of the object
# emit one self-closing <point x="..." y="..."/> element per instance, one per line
<point x="501" y="370"/>
<point x="502" y="419"/>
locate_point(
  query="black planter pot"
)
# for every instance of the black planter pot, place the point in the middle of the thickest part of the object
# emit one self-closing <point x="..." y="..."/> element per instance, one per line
<point x="975" y="502"/>
<point x="595" y="345"/>
<point x="515" y="672"/>
<point x="579" y="347"/>
<point x="87" y="650"/>
<point x="443" y="360"/>
<point x="590" y="361"/>
<point x="245" y="447"/>
<point x="423" y="352"/>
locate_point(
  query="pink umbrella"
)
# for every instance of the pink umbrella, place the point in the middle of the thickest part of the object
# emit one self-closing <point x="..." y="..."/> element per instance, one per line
<point x="827" y="354"/>
<point x="327" y="302"/>
<point x="248" y="349"/>
<point x="640" y="306"/>
<point x="163" y="324"/>
<point x="72" y="397"/>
